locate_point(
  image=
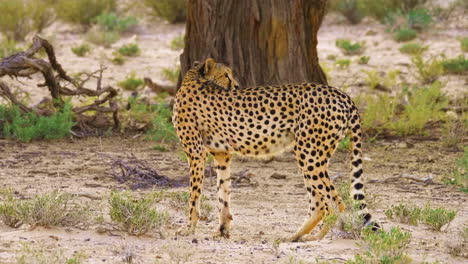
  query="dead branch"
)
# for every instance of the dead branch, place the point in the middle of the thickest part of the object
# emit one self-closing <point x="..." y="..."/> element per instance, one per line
<point x="137" y="173"/>
<point x="59" y="84"/>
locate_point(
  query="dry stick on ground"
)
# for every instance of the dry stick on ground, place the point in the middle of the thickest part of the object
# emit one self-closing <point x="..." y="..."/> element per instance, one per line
<point x="133" y="170"/>
<point x="24" y="64"/>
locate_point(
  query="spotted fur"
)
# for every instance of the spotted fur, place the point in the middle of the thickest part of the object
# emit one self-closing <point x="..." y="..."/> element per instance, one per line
<point x="262" y="121"/>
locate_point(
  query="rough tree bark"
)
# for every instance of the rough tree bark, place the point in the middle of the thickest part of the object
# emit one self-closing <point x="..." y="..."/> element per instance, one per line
<point x="265" y="41"/>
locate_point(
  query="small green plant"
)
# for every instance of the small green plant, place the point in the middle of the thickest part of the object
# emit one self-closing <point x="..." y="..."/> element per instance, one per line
<point x="464" y="44"/>
<point x="118" y="59"/>
<point x="180" y="201"/>
<point x="404" y="34"/>
<point x="81" y="50"/>
<point x="160" y="148"/>
<point x="452" y="133"/>
<point x="83" y="12"/>
<point x="162" y="128"/>
<point x="50" y="209"/>
<point x="438" y="217"/>
<point x="428" y="70"/>
<point x="349" y="48"/>
<point x="343" y="63"/>
<point x="130" y="50"/>
<point x="111" y="22"/>
<point x="174" y="11"/>
<point x="136" y="216"/>
<point x="131" y="82"/>
<point x="372" y="79"/>
<point x="459" y="175"/>
<point x="29" y="126"/>
<point x="418" y="18"/>
<point x="404" y="214"/>
<point x="383" y="247"/>
<point x="350" y="9"/>
<point x="172" y="74"/>
<point x="102" y="38"/>
<point x="8" y="48"/>
<point x="413" y="48"/>
<point x="458" y="65"/>
<point x="178" y="42"/>
<point x="351" y="221"/>
<point x="344" y="144"/>
<point x="39" y="253"/>
<point x="363" y="60"/>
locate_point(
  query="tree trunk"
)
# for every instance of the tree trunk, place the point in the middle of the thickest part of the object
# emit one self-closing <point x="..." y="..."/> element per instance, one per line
<point x="264" y="41"/>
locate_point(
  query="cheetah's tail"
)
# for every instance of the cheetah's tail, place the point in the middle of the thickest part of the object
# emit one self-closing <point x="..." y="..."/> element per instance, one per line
<point x="357" y="181"/>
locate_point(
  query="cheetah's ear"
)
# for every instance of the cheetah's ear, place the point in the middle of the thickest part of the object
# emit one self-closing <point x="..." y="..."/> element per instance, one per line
<point x="209" y="65"/>
<point x="195" y="64"/>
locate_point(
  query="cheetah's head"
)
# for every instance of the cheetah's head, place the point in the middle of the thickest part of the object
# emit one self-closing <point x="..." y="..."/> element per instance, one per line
<point x="217" y="73"/>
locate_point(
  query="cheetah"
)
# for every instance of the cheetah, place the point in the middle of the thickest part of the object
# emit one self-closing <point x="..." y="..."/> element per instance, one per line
<point x="212" y="115"/>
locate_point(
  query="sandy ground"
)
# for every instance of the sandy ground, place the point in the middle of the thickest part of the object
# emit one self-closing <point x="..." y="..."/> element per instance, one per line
<point x="264" y="211"/>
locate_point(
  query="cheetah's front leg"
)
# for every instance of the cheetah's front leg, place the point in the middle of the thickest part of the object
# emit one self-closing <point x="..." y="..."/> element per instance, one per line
<point x="197" y="170"/>
<point x="222" y="162"/>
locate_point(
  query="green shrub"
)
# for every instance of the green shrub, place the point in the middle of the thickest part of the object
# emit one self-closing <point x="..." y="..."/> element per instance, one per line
<point x="111" y="22"/>
<point x="178" y="42"/>
<point x="50" y="209"/>
<point x="404" y="214"/>
<point x="130" y="50"/>
<point x="349" y="48"/>
<point x="162" y="128"/>
<point x="404" y="34"/>
<point x="383" y="247"/>
<point x="459" y="175"/>
<point x="372" y="79"/>
<point x="413" y="48"/>
<point x="438" y="217"/>
<point x="172" y="74"/>
<point x="458" y="65"/>
<point x="102" y="38"/>
<point x="343" y="63"/>
<point x="8" y="48"/>
<point x="350" y="9"/>
<point x="174" y="11"/>
<point x="425" y="104"/>
<point x="19" y="18"/>
<point x="136" y="216"/>
<point x="435" y="218"/>
<point x="29" y="126"/>
<point x="464" y="44"/>
<point x="380" y="111"/>
<point x="81" y="50"/>
<point x="363" y="60"/>
<point x="428" y="70"/>
<point x="131" y="83"/>
<point x="83" y="12"/>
